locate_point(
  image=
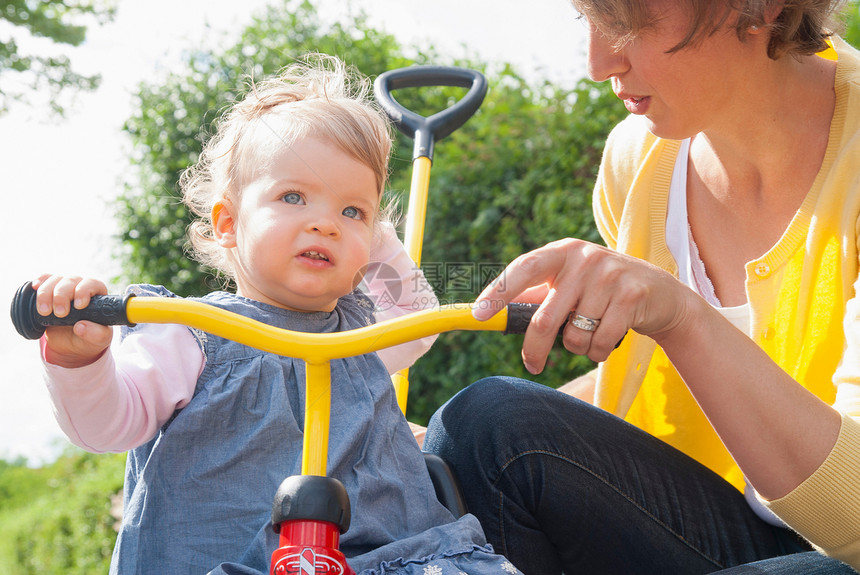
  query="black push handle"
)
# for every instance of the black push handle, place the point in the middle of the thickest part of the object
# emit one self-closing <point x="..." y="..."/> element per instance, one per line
<point x="425" y="131"/>
<point x="103" y="309"/>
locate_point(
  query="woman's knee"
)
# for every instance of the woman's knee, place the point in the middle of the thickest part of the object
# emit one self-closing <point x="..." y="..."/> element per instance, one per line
<point x="480" y="406"/>
<point x="466" y="419"/>
<point x="484" y="395"/>
<point x="497" y="412"/>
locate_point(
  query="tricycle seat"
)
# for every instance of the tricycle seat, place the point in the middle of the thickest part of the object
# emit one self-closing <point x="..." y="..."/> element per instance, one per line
<point x="447" y="487"/>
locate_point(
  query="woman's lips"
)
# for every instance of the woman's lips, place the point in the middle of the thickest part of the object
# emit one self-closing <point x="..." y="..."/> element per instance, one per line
<point x="634" y="104"/>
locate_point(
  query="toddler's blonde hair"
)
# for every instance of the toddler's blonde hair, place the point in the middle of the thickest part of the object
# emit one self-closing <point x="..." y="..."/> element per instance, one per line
<point x="319" y="96"/>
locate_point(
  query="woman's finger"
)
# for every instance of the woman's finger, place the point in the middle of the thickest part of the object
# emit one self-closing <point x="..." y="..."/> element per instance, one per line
<point x="529" y="270"/>
<point x="566" y="278"/>
<point x="534" y="294"/>
<point x="581" y="329"/>
<point x="543" y="329"/>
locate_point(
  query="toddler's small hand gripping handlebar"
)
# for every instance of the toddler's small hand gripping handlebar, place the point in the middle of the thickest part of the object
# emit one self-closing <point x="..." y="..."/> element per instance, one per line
<point x="106" y="310"/>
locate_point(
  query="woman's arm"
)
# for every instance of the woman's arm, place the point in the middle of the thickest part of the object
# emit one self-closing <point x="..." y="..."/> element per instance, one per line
<point x="778" y="432"/>
<point x="582" y="387"/>
<point x="825" y="507"/>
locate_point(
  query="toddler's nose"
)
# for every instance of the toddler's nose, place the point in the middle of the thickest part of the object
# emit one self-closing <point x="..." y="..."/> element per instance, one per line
<point x="324" y="225"/>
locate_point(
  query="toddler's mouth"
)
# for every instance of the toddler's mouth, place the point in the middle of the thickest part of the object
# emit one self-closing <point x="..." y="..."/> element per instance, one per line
<point x="315" y="255"/>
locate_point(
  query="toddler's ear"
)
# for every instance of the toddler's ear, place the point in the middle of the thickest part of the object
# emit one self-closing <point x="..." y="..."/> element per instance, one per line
<point x="224" y="224"/>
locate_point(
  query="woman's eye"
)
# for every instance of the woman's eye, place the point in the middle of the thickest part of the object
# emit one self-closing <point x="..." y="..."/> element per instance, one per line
<point x="293" y="198"/>
<point x="354" y="213"/>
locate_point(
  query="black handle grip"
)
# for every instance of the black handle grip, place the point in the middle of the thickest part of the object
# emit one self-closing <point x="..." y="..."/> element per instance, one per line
<point x="105" y="309"/>
<point x="426" y="131"/>
<point x="520" y="314"/>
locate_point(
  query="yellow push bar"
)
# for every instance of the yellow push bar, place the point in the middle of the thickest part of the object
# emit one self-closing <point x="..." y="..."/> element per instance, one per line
<point x="425" y="131"/>
<point x="412" y="241"/>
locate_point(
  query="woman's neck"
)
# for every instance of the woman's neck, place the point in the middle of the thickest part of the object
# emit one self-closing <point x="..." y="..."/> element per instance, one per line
<point x="747" y="178"/>
<point x="778" y="130"/>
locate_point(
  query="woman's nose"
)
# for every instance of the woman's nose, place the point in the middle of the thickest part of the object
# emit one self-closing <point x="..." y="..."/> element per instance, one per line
<point x="605" y="58"/>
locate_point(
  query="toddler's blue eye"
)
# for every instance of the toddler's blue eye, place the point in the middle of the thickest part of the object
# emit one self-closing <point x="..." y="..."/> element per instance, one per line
<point x="293" y="198"/>
<point x="353" y="212"/>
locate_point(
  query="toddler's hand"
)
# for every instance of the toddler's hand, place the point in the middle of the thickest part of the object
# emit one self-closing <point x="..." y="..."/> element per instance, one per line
<point x="78" y="345"/>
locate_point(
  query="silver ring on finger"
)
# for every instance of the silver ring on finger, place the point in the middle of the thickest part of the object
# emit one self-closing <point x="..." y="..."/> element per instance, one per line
<point x="584" y="323"/>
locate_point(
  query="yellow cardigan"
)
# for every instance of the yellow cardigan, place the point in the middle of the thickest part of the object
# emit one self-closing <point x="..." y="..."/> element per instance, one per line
<point x="798" y="293"/>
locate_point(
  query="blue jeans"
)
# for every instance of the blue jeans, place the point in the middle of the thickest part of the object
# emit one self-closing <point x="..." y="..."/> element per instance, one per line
<point x="560" y="485"/>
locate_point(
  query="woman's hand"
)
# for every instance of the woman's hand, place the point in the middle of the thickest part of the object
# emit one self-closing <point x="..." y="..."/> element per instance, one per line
<point x="71" y="346"/>
<point x="577" y="278"/>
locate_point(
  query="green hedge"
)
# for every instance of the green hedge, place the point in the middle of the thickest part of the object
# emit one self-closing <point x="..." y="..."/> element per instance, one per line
<point x="57" y="519"/>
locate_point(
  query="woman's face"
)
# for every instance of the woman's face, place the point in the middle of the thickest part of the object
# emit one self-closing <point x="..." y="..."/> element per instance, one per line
<point x="680" y="93"/>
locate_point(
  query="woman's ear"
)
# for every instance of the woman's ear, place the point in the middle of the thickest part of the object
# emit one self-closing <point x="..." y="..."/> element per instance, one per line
<point x="224" y="224"/>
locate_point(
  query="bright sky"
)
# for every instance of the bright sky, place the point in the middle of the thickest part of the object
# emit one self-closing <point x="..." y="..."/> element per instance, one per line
<point x="58" y="177"/>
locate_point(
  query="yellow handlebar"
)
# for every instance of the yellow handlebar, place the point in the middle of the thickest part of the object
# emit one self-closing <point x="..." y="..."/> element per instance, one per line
<point x="316" y="349"/>
<point x="312" y="347"/>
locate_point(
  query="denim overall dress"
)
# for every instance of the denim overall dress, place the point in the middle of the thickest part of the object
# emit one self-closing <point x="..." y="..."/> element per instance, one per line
<point x="198" y="496"/>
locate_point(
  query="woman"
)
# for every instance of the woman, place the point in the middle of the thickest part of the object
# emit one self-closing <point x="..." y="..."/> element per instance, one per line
<point x="729" y="202"/>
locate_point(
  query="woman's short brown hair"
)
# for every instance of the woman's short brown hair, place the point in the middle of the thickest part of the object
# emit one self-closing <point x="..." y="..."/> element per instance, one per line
<point x="801" y="27"/>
